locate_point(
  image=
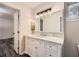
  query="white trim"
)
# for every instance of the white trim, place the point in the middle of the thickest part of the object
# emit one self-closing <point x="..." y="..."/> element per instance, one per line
<point x="72" y="20"/>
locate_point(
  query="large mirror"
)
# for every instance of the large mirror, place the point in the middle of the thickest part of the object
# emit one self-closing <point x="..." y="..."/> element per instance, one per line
<point x="50" y="22"/>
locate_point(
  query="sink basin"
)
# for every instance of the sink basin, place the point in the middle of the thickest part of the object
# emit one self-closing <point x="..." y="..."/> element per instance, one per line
<point x="40" y="35"/>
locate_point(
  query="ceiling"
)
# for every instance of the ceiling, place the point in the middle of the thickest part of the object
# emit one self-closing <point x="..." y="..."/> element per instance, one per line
<point x="19" y="5"/>
<point x="11" y="7"/>
<point x="7" y="11"/>
<point x="32" y="4"/>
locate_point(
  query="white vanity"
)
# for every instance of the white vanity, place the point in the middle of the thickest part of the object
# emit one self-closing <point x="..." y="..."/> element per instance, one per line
<point x="44" y="46"/>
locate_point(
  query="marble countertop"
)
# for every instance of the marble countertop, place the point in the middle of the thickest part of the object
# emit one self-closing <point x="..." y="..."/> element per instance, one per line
<point x="48" y="38"/>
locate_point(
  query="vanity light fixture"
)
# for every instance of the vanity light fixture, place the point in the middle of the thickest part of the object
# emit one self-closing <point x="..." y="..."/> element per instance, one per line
<point x="44" y="11"/>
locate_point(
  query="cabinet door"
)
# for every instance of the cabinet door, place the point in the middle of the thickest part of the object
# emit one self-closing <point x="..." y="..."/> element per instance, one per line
<point x="51" y="49"/>
<point x="26" y="45"/>
<point x="29" y="46"/>
<point x="16" y="35"/>
<point x="41" y="49"/>
<point x="34" y="47"/>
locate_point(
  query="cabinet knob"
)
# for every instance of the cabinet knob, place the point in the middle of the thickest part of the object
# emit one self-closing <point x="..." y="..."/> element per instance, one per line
<point x="35" y="47"/>
<point x="50" y="46"/>
<point x="50" y="55"/>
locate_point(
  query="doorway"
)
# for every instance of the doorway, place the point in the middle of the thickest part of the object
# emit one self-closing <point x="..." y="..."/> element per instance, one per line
<point x="9" y="30"/>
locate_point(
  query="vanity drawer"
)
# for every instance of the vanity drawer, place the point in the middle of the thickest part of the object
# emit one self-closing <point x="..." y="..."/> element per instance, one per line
<point x="51" y="49"/>
<point x="34" y="46"/>
<point x="51" y="46"/>
<point x="52" y="54"/>
<point x="28" y="46"/>
<point x="41" y="49"/>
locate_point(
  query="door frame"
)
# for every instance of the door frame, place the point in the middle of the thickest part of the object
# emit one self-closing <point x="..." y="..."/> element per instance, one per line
<point x="18" y="30"/>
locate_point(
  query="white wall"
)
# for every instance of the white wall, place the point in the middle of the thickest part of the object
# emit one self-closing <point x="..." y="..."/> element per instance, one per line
<point x="6" y="28"/>
<point x="71" y="38"/>
<point x="25" y="23"/>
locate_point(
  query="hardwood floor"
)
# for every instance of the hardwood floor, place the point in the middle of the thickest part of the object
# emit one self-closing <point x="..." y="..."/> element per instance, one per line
<point x="6" y="49"/>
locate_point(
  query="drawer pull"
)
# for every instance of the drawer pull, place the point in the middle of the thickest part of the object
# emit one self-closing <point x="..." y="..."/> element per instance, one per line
<point x="35" y="47"/>
<point x="50" y="55"/>
<point x="50" y="46"/>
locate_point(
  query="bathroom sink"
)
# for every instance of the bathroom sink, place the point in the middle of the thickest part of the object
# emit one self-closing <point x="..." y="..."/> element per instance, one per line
<point x="40" y="35"/>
